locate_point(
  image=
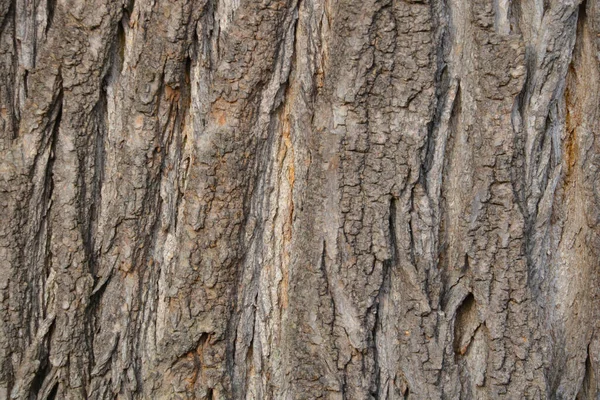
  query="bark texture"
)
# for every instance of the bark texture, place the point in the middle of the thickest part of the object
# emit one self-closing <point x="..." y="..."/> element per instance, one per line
<point x="299" y="199"/>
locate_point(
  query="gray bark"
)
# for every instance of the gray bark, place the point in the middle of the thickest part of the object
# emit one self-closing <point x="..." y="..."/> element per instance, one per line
<point x="299" y="199"/>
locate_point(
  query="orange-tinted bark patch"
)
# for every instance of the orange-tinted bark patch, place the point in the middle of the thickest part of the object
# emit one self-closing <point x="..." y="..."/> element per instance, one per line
<point x="172" y="94"/>
<point x="219" y="111"/>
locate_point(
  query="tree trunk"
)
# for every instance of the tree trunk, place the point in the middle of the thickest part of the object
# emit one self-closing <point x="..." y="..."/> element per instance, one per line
<point x="299" y="199"/>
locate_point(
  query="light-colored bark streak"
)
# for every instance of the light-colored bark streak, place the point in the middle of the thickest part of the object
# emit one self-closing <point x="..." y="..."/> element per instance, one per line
<point x="290" y="199"/>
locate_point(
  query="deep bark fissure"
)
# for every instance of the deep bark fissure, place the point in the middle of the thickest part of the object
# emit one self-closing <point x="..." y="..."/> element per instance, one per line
<point x="50" y="10"/>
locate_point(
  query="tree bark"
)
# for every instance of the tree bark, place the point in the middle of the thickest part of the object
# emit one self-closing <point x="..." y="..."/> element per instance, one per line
<point x="299" y="199"/>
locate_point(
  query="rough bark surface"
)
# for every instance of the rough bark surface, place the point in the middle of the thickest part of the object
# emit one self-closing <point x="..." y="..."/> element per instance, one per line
<point x="299" y="199"/>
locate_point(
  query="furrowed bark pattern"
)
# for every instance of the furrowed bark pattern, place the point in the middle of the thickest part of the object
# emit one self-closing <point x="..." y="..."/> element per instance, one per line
<point x="299" y="199"/>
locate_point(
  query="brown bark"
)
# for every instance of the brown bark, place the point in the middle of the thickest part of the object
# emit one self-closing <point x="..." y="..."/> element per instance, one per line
<point x="299" y="199"/>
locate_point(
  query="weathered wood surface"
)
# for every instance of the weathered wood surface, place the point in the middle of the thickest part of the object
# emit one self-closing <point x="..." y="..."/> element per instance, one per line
<point x="299" y="199"/>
